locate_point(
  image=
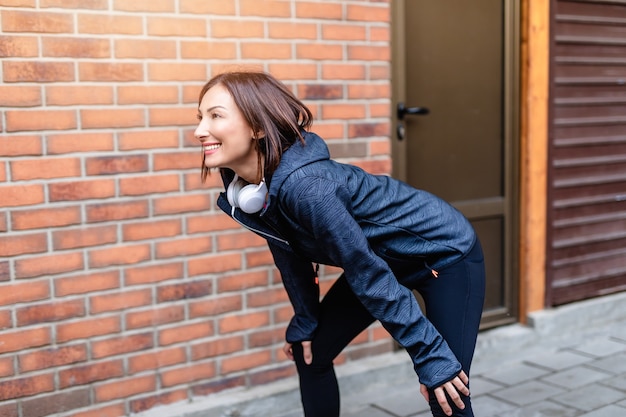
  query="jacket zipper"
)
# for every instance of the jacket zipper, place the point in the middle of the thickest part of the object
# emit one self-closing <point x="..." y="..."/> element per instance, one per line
<point x="260" y="232"/>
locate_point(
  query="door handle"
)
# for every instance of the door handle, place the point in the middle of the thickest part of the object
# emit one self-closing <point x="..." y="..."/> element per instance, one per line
<point x="401" y="111"/>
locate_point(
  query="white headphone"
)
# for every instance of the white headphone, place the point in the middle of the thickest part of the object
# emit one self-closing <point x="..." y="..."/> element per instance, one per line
<point x="249" y="198"/>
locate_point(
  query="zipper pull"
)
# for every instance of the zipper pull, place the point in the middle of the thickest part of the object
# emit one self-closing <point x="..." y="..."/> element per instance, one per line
<point x="317" y="270"/>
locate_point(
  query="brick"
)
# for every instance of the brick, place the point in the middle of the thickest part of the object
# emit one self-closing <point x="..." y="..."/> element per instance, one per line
<point x="267" y="298"/>
<point x="13" y="245"/>
<point x="369" y="53"/>
<point x="319" y="10"/>
<point x="240" y="282"/>
<point x="13" y="341"/>
<point x="243" y="240"/>
<point x="9" y="409"/>
<point x="183" y="247"/>
<point x="145" y="5"/>
<point x="156" y="359"/>
<point x="118" y="255"/>
<point x="181" y="204"/>
<point x="344" y="32"/>
<point x="110" y="72"/>
<point x="266" y="376"/>
<point x="366" y="129"/>
<point x="176" y="26"/>
<point x="48" y="265"/>
<point x="36" y="21"/>
<point x="210" y="223"/>
<point x="176" y="72"/>
<point x="369" y="91"/>
<point x="373" y="13"/>
<point x="52" y="357"/>
<point x="223" y="7"/>
<point x="81" y="190"/>
<point x="343" y="72"/>
<point x="92" y="372"/>
<point x="177" y="161"/>
<point x="27" y="386"/>
<point x="87" y="328"/>
<point x="239" y="322"/>
<point x="236" y="29"/>
<point x="121" y="345"/>
<point x="120" y="301"/>
<point x="114" y="410"/>
<point x="68" y="47"/>
<point x="380" y="34"/>
<point x="153" y="94"/>
<point x="153" y="273"/>
<point x="18" y="120"/>
<point x="87" y="283"/>
<point x="3" y="222"/>
<point x="70" y="95"/>
<point x="382" y="147"/>
<point x="265" y="8"/>
<point x="265" y="50"/>
<point x="149" y="185"/>
<point x="76" y="4"/>
<point x="117" y="211"/>
<point x="30" y="169"/>
<point x="223" y="346"/>
<point x="21" y="195"/>
<point x="184" y="291"/>
<point x="158" y="139"/>
<point x="19" y="96"/>
<point x="210" y="307"/>
<point x="179" y="116"/>
<point x="320" y="91"/>
<point x="56" y="403"/>
<point x="39" y="72"/>
<point x="5" y="271"/>
<point x="50" y="312"/>
<point x="19" y="46"/>
<point x="24" y="292"/>
<point x="6" y="369"/>
<point x="208" y="50"/>
<point x="266" y="338"/>
<point x="107" y="165"/>
<point x="380" y="72"/>
<point x="155" y="317"/>
<point x="245" y="361"/>
<point x="151" y="230"/>
<point x="142" y="404"/>
<point x="378" y="167"/>
<point x="184" y="375"/>
<point x="112" y="118"/>
<point x="214" y="264"/>
<point x="6" y="322"/>
<point x="15" y="145"/>
<point x="343" y="111"/>
<point x="145" y="49"/>
<point x="288" y="30"/>
<point x="379" y="110"/>
<point x="259" y="258"/>
<point x="110" y="24"/>
<point x="185" y="333"/>
<point x="221" y="384"/>
<point x="65" y="143"/>
<point x="319" y="51"/>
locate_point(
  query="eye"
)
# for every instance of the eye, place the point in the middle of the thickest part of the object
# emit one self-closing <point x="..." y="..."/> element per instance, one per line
<point x="215" y="115"/>
<point x="199" y="116"/>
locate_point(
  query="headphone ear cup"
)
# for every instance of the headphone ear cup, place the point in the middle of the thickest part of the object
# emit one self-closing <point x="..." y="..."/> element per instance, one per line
<point x="251" y="198"/>
<point x="234" y="189"/>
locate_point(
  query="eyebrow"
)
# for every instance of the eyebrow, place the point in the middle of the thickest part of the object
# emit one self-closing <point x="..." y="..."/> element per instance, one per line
<point x="211" y="108"/>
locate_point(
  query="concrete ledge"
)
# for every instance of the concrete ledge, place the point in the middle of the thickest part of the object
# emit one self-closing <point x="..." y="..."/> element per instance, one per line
<point x="567" y="324"/>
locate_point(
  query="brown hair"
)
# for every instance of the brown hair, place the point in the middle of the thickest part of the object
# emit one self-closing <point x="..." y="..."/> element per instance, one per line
<point x="267" y="106"/>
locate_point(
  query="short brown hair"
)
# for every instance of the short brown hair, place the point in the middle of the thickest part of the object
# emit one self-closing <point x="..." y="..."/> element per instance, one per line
<point x="267" y="106"/>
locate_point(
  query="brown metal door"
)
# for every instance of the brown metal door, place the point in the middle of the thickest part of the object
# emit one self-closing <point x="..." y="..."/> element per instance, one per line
<point x="450" y="58"/>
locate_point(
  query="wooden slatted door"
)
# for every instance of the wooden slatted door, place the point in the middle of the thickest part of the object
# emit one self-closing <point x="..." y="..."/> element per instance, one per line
<point x="587" y="186"/>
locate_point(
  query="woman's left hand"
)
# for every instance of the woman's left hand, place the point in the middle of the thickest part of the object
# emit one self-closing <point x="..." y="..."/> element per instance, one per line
<point x="306" y="351"/>
<point x="452" y="388"/>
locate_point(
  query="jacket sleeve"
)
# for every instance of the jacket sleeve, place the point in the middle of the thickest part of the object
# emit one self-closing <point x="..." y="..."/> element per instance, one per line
<point x="298" y="278"/>
<point x="323" y="208"/>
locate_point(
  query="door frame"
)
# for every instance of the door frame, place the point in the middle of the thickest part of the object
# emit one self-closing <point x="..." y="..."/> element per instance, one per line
<point x="511" y="129"/>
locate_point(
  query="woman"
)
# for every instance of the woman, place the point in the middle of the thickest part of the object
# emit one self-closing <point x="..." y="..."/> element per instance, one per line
<point x="387" y="237"/>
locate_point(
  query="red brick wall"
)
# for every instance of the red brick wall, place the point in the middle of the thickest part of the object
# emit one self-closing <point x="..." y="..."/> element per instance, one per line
<point x="121" y="285"/>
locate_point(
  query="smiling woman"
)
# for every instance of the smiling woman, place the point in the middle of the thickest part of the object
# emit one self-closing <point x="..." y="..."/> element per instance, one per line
<point x="387" y="237"/>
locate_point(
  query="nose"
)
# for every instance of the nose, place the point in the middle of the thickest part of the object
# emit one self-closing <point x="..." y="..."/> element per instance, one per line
<point x="200" y="133"/>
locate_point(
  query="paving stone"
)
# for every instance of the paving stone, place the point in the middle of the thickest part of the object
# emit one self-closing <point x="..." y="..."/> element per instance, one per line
<point x="480" y="386"/>
<point x="560" y="360"/>
<point x="576" y="377"/>
<point x="516" y="373"/>
<point x="614" y="364"/>
<point x="618" y="382"/>
<point x="601" y="347"/>
<point x="590" y="397"/>
<point x="528" y="392"/>
<point x="488" y="406"/>
<point x="404" y="404"/>
<point x="368" y="412"/>
<point x="544" y="409"/>
<point x="608" y="411"/>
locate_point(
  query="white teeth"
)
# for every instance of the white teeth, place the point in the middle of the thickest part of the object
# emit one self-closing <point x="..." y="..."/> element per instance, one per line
<point x="211" y="147"/>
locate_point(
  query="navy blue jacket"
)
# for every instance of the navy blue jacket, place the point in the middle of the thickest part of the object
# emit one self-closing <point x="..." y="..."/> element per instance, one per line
<point x="383" y="233"/>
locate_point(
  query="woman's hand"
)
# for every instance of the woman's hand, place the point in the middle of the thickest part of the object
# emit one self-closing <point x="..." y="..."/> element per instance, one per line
<point x="452" y="388"/>
<point x="306" y="351"/>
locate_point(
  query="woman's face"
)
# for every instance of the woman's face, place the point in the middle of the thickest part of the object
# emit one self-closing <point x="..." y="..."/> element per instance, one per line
<point x="226" y="138"/>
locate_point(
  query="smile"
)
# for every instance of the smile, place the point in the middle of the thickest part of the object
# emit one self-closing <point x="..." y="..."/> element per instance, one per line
<point x="210" y="148"/>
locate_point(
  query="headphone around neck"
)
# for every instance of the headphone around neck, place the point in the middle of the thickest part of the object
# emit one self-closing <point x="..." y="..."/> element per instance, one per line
<point x="250" y="198"/>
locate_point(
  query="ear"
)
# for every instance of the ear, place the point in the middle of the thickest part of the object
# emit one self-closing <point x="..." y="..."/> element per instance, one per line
<point x="258" y="135"/>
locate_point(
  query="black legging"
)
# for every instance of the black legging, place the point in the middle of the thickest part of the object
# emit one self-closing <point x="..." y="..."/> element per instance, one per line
<point x="453" y="302"/>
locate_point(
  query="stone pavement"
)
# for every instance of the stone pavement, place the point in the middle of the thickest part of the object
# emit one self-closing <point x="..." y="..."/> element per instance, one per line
<point x="567" y="362"/>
